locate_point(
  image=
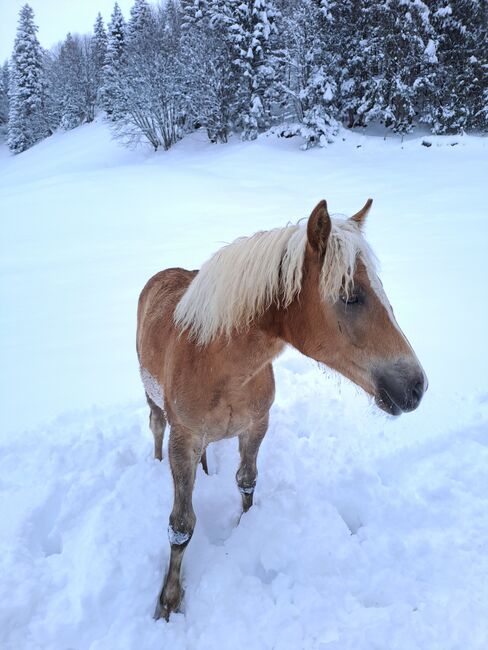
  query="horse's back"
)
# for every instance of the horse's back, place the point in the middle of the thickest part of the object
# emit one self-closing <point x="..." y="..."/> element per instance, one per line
<point x="157" y="303"/>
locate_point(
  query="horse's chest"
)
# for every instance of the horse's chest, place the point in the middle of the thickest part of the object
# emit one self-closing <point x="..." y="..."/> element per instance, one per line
<point x="227" y="419"/>
<point x="220" y="406"/>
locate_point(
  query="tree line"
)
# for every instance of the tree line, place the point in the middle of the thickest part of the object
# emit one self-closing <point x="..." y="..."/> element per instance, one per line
<point x="242" y="66"/>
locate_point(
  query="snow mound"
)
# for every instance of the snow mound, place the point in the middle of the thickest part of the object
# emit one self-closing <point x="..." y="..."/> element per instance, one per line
<point x="346" y="546"/>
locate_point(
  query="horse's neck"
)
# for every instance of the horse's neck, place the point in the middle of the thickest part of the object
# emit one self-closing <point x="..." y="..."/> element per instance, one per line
<point x="251" y="351"/>
<point x="291" y="326"/>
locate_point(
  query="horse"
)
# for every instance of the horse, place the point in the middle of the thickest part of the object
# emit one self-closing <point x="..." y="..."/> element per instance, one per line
<point x="206" y="341"/>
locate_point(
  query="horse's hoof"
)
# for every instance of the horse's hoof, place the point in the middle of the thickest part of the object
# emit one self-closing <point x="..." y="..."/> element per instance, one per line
<point x="161" y="611"/>
<point x="166" y="605"/>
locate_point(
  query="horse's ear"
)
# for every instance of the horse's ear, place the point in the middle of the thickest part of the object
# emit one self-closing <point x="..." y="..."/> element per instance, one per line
<point x="360" y="217"/>
<point x="318" y="227"/>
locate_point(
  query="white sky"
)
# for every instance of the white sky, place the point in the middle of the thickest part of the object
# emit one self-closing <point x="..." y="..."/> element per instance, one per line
<point x="55" y="18"/>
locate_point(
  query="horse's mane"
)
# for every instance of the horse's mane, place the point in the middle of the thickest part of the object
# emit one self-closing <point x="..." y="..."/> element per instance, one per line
<point x="241" y="280"/>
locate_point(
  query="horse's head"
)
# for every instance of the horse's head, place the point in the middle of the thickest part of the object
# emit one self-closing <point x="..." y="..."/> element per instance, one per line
<point x="344" y="319"/>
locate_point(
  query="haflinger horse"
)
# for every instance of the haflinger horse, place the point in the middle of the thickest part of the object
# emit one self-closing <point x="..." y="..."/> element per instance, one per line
<point x="206" y="341"/>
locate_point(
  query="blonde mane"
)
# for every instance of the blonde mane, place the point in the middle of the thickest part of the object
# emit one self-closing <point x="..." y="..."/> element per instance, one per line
<point x="241" y="280"/>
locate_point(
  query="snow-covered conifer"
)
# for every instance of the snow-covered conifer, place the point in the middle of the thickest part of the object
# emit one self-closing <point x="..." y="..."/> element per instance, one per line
<point x="112" y="100"/>
<point x="392" y="65"/>
<point x="140" y="19"/>
<point x="461" y="97"/>
<point x="4" y="74"/>
<point x="308" y="73"/>
<point x="208" y="75"/>
<point x="73" y="80"/>
<point x="194" y="12"/>
<point x="27" y="123"/>
<point x="99" y="53"/>
<point x="250" y="30"/>
<point x="409" y="48"/>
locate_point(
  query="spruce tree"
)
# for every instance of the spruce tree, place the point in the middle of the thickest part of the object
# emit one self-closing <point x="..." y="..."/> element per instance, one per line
<point x="461" y="97"/>
<point x="140" y="19"/>
<point x="76" y="78"/>
<point x="391" y="68"/>
<point x="53" y="87"/>
<point x="4" y="75"/>
<point x="209" y="79"/>
<point x="99" y="53"/>
<point x="27" y="123"/>
<point x="410" y="64"/>
<point x="352" y="34"/>
<point x="309" y="72"/>
<point x="250" y="32"/>
<point x="194" y="12"/>
<point x="112" y="99"/>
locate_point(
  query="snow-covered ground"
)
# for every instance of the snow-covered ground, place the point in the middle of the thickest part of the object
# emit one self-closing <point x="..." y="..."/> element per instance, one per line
<point x="367" y="532"/>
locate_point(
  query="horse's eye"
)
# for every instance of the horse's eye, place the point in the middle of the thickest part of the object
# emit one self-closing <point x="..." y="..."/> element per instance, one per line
<point x="352" y="299"/>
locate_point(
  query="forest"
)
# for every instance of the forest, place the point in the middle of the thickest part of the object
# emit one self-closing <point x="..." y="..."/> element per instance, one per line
<point x="304" y="67"/>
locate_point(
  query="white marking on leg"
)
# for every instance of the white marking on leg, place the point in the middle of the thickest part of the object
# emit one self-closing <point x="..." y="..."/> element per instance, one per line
<point x="246" y="490"/>
<point x="176" y="537"/>
<point x="152" y="388"/>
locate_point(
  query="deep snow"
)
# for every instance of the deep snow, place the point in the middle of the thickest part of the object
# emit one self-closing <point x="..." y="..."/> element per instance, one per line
<point x="367" y="532"/>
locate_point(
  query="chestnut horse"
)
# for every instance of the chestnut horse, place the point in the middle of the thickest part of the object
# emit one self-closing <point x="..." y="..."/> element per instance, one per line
<point x="206" y="341"/>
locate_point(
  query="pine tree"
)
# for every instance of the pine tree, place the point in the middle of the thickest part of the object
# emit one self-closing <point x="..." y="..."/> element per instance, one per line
<point x="408" y="49"/>
<point x="195" y="12"/>
<point x="209" y="79"/>
<point x="112" y="100"/>
<point x="391" y="68"/>
<point x="350" y="34"/>
<point x="53" y="87"/>
<point x="27" y="124"/>
<point x="72" y="94"/>
<point x="250" y="31"/>
<point x="76" y="81"/>
<point x="309" y="71"/>
<point x="99" y="53"/>
<point x="140" y="20"/>
<point x="461" y="98"/>
<point x="4" y="75"/>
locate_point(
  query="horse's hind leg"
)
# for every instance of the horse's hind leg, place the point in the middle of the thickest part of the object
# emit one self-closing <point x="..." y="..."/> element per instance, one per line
<point x="157" y="424"/>
<point x="249" y="443"/>
<point x="184" y="453"/>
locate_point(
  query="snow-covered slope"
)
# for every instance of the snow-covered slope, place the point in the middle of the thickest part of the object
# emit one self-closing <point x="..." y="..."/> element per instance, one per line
<point x="367" y="532"/>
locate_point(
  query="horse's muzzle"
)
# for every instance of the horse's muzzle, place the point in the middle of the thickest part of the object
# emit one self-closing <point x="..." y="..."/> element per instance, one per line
<point x="400" y="387"/>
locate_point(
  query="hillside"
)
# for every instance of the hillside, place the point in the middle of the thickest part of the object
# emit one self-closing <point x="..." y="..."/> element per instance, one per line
<point x="368" y="532"/>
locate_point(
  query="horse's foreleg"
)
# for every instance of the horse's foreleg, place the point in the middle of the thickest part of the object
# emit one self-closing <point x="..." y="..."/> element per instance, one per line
<point x="184" y="453"/>
<point x="249" y="443"/>
<point x="157" y="424"/>
<point x="203" y="461"/>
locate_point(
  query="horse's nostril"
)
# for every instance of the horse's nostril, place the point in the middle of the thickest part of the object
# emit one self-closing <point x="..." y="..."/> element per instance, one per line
<point x="417" y="392"/>
<point x="401" y="386"/>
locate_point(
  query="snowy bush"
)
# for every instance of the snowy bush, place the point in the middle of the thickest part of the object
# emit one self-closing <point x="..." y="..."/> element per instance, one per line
<point x="148" y="102"/>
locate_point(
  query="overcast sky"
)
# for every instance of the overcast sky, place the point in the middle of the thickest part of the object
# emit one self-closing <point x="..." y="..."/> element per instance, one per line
<point x="55" y="18"/>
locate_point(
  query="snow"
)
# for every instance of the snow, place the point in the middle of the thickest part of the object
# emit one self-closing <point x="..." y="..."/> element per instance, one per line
<point x="152" y="388"/>
<point x="367" y="532"/>
<point x="431" y="51"/>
